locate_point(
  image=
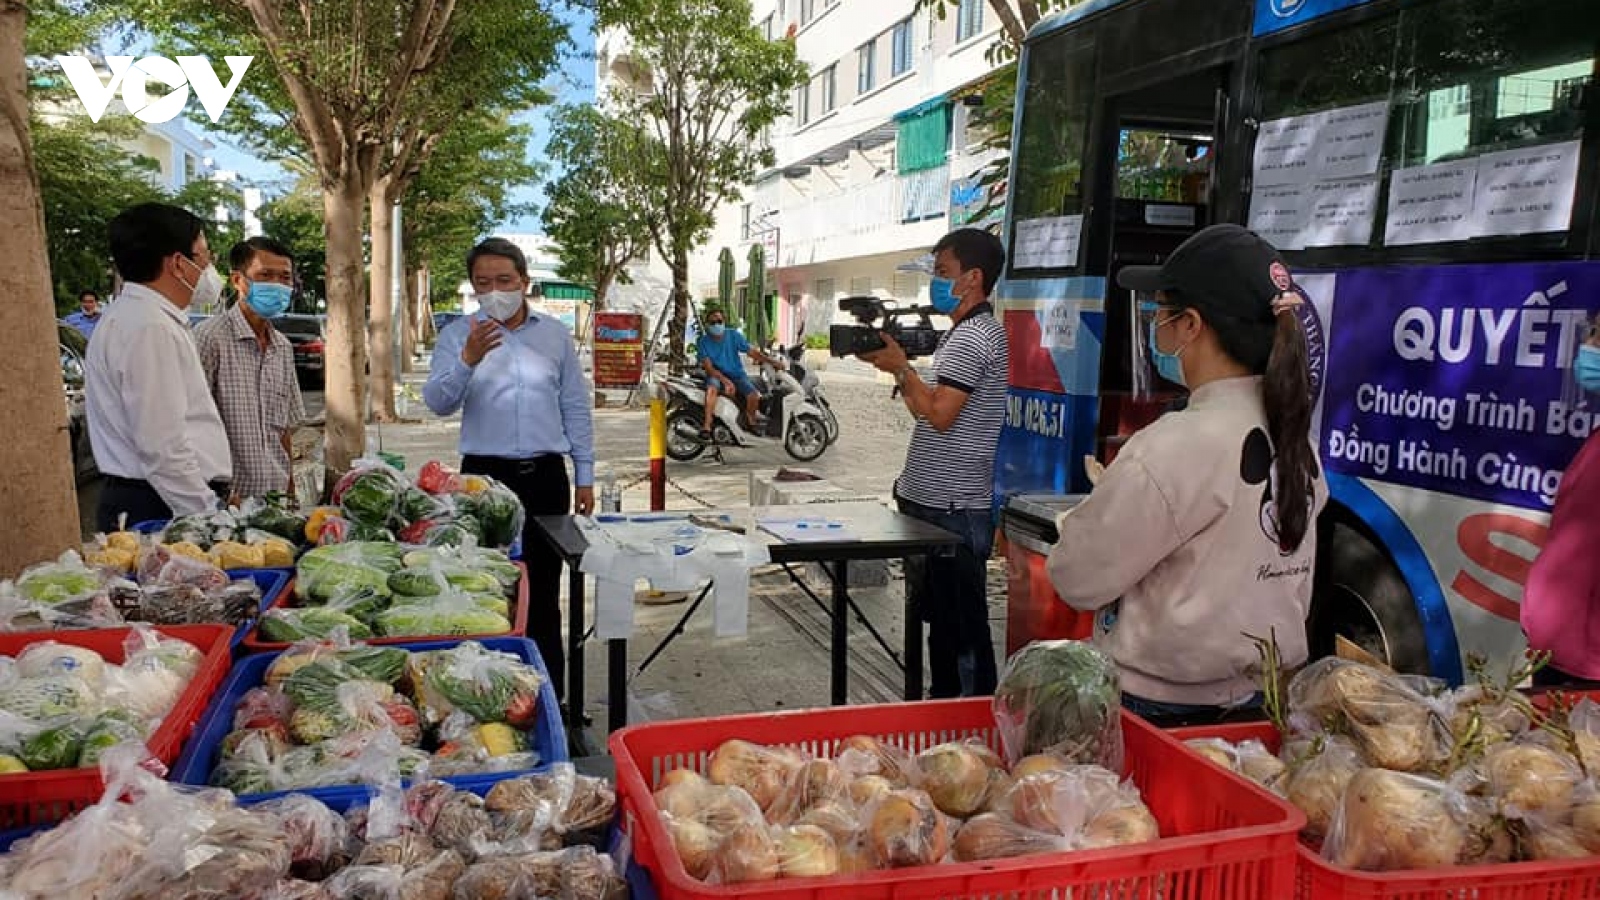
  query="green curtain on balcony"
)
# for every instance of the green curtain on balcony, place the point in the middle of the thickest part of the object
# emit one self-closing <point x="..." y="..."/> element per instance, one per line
<point x="924" y="138"/>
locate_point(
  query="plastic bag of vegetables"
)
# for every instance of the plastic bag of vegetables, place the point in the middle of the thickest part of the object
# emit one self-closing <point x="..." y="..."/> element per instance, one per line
<point x="497" y="511"/>
<point x="160" y="564"/>
<point x="324" y="572"/>
<point x="370" y="493"/>
<point x="1393" y="725"/>
<point x="1061" y="697"/>
<point x="1391" y="821"/>
<point x="65" y="579"/>
<point x="274" y="513"/>
<point x="1319" y="770"/>
<point x="478" y="559"/>
<point x="488" y="685"/>
<point x="449" y="613"/>
<point x="288" y="624"/>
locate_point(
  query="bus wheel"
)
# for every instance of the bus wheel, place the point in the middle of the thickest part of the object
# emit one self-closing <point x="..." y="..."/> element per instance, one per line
<point x="1360" y="595"/>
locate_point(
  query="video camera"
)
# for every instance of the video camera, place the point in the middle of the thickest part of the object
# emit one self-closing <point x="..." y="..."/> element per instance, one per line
<point x="918" y="338"/>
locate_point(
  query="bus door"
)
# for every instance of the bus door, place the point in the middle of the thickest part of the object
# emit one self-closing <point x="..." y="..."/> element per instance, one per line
<point x="1161" y="172"/>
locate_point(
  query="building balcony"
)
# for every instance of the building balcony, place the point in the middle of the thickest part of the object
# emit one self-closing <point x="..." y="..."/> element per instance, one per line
<point x="888" y="214"/>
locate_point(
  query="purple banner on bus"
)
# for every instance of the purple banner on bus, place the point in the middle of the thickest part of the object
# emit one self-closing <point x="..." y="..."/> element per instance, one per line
<point x="1457" y="378"/>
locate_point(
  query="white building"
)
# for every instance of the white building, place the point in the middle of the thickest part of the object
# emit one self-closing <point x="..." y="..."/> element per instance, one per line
<point x="865" y="162"/>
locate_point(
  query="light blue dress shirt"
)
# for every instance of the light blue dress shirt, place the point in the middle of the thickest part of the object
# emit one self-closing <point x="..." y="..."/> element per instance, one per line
<point x="82" y="323"/>
<point x="526" y="398"/>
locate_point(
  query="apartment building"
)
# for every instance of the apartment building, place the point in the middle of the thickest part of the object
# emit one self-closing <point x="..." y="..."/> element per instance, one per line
<point x="874" y="151"/>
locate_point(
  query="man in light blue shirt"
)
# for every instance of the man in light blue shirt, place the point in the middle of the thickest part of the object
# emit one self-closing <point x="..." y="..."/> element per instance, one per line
<point x="722" y="371"/>
<point x="87" y="316"/>
<point x="525" y="407"/>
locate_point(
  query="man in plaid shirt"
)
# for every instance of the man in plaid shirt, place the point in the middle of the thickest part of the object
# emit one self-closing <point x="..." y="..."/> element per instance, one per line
<point x="250" y="366"/>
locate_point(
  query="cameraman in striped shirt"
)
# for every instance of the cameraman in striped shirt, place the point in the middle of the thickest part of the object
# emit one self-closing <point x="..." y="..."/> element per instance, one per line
<point x="948" y="479"/>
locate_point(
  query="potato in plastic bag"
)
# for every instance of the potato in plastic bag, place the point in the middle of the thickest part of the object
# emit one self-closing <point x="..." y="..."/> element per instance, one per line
<point x="957" y="775"/>
<point x="1319" y="770"/>
<point x="1393" y="725"/>
<point x="817" y="781"/>
<point x="1531" y="778"/>
<point x="861" y="755"/>
<point x="805" y="851"/>
<point x="762" y="772"/>
<point x="905" y="828"/>
<point x="1393" y="821"/>
<point x="998" y="836"/>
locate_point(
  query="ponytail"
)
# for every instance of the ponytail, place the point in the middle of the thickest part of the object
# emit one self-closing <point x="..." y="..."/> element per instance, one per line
<point x="1286" y="393"/>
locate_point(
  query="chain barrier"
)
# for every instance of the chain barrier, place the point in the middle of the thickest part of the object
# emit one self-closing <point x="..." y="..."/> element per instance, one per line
<point x="635" y="482"/>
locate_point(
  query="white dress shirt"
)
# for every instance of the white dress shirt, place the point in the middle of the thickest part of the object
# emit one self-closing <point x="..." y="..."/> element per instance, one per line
<point x="151" y="416"/>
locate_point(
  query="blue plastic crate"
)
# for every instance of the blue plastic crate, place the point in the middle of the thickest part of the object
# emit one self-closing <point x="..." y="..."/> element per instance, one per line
<point x="149" y="527"/>
<point x="547" y="737"/>
<point x="7" y="838"/>
<point x="272" y="583"/>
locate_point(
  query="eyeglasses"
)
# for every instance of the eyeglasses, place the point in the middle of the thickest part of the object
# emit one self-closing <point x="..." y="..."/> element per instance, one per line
<point x="1151" y="315"/>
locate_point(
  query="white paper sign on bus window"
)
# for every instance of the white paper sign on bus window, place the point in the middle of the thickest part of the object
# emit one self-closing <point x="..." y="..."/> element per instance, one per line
<point x="1341" y="212"/>
<point x="1526" y="191"/>
<point x="1049" y="243"/>
<point x="1349" y="142"/>
<point x="1286" y="151"/>
<point x="1059" y="330"/>
<point x="1431" y="204"/>
<point x="1279" y="214"/>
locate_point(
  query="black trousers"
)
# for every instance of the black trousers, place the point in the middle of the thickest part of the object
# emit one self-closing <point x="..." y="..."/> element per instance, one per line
<point x="542" y="485"/>
<point x="138" y="500"/>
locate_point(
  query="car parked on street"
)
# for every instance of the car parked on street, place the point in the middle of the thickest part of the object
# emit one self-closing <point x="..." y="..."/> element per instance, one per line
<point x="306" y="334"/>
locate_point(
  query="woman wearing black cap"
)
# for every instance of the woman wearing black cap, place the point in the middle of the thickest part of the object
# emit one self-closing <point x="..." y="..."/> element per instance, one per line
<point x="1204" y="528"/>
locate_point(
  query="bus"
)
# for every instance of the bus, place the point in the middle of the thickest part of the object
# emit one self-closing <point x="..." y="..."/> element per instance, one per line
<point x="1429" y="170"/>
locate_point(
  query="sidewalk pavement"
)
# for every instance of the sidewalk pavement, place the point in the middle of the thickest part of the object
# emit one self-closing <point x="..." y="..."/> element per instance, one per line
<point x="783" y="662"/>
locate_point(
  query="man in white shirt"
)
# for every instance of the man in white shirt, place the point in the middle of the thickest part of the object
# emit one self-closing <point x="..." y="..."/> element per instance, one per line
<point x="157" y="437"/>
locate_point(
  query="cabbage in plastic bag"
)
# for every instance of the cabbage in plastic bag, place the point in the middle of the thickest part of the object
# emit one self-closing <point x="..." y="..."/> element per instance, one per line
<point x="1061" y="697"/>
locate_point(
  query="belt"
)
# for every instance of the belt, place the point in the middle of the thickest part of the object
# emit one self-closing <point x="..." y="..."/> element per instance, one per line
<point x="519" y="466"/>
<point x="218" y="486"/>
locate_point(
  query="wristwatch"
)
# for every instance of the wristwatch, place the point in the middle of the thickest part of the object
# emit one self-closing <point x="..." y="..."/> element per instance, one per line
<point x="900" y="375"/>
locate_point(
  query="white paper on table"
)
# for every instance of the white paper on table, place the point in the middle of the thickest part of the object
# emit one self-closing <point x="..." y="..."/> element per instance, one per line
<point x="613" y="609"/>
<point x="1341" y="212"/>
<point x="1059" y="330"/>
<point x="1048" y="243"/>
<point x="1349" y="141"/>
<point x="1526" y="191"/>
<point x="1431" y="204"/>
<point x="730" y="587"/>
<point x="1280" y="213"/>
<point x="809" y="530"/>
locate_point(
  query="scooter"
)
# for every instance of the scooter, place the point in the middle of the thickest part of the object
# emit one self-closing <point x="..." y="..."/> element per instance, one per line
<point x="791" y="419"/>
<point x="812" y="386"/>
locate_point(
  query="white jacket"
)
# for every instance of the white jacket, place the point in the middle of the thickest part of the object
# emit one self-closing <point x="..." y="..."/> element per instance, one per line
<point x="1177" y="548"/>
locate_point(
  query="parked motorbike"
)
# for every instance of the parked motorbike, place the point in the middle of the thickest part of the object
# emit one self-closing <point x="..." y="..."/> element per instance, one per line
<point x="800" y="425"/>
<point x="812" y="386"/>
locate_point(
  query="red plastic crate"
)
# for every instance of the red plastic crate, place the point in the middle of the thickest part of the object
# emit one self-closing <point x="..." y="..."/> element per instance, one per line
<point x="255" y="643"/>
<point x="30" y="799"/>
<point x="1225" y="840"/>
<point x="1318" y="879"/>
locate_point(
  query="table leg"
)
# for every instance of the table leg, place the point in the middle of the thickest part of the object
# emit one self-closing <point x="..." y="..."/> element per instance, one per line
<point x="617" y="682"/>
<point x="841" y="633"/>
<point x="913" y="650"/>
<point x="575" y="640"/>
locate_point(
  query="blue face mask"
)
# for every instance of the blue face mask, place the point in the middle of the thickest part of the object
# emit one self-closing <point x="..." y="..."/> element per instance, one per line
<point x="269" y="300"/>
<point x="1587" y="368"/>
<point x="717" y="329"/>
<point x="942" y="295"/>
<point x="1168" y="365"/>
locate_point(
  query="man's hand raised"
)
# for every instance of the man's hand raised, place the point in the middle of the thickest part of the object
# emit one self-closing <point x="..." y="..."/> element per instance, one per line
<point x="486" y="335"/>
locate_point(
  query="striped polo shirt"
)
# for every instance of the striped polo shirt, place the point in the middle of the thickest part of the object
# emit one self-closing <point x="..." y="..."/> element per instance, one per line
<point x="954" y="469"/>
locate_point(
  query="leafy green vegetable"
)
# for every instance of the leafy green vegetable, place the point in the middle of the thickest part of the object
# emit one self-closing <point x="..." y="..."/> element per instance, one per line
<point x="1062" y="697"/>
<point x="288" y="624"/>
<point x="418" y="582"/>
<point x="197" y="529"/>
<point x="499" y="512"/>
<point x="275" y="517"/>
<point x="109" y="729"/>
<point x="360" y="532"/>
<point x="53" y="748"/>
<point x="372" y="497"/>
<point x="409" y="620"/>
<point x="386" y="664"/>
<point x="417" y="504"/>
<point x="459" y="532"/>
<point x="58" y="582"/>
<point x="488" y="686"/>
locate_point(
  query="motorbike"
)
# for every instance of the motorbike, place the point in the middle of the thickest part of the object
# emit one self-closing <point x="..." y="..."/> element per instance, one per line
<point x="812" y="386"/>
<point x="792" y="419"/>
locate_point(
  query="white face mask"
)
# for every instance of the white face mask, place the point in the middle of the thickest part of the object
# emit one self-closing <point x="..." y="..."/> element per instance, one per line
<point x="502" y="306"/>
<point x="207" y="288"/>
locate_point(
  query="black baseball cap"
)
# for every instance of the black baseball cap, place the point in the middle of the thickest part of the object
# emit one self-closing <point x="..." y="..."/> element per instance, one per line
<point x="1223" y="269"/>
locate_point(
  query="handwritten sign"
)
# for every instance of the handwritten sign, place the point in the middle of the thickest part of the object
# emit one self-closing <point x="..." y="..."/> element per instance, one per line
<point x="1526" y="191"/>
<point x="1049" y="243"/>
<point x="1341" y="212"/>
<point x="1429" y="204"/>
<point x="1321" y="146"/>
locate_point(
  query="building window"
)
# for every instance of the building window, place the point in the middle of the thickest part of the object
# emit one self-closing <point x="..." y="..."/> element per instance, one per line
<point x="829" y="88"/>
<point x="825" y="290"/>
<point x="902" y="49"/>
<point x="808" y="11"/>
<point x="802" y="105"/>
<point x="766" y="28"/>
<point x="867" y="67"/>
<point x="969" y="20"/>
<point x="744" y="222"/>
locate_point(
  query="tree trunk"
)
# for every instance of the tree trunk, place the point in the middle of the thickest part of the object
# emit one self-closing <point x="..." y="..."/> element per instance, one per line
<point x="408" y="324"/>
<point x="37" y="498"/>
<point x="380" y="326"/>
<point x="425" y="300"/>
<point x="1009" y="21"/>
<point x="680" y="309"/>
<point x="343" y="204"/>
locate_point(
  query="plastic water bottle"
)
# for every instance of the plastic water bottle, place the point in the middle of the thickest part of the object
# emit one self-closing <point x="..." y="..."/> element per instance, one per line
<point x="610" y="496"/>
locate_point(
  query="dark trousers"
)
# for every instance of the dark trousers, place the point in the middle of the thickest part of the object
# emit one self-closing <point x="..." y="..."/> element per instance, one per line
<point x="1552" y="677"/>
<point x="137" y="500"/>
<point x="542" y="485"/>
<point x="951" y="593"/>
